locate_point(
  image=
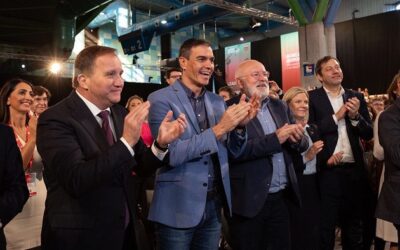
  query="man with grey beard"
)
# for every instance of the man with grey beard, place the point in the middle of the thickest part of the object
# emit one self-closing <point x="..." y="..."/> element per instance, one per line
<point x="263" y="178"/>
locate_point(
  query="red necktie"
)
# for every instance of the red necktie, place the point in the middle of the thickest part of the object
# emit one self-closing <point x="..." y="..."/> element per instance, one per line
<point x="105" y="125"/>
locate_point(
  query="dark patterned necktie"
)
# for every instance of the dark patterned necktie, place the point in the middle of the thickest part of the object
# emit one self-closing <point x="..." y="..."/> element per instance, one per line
<point x="105" y="125"/>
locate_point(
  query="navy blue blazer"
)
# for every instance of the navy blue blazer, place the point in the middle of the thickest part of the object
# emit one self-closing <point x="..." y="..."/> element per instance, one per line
<point x="251" y="172"/>
<point x="388" y="207"/>
<point x="321" y="112"/>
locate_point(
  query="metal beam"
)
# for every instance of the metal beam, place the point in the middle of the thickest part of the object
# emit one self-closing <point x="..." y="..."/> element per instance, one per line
<point x="249" y="11"/>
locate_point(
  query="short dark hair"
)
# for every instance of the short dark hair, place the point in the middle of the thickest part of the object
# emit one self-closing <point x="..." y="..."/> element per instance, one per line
<point x="40" y="90"/>
<point x="187" y="45"/>
<point x="85" y="59"/>
<point x="320" y="62"/>
<point x="168" y="73"/>
<point x="5" y="92"/>
<point x="227" y="89"/>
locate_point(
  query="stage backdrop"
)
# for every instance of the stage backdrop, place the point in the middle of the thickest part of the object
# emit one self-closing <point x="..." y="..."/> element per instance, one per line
<point x="290" y="57"/>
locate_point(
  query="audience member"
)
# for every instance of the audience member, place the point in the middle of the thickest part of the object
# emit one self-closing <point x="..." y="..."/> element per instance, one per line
<point x="92" y="152"/>
<point x="263" y="177"/>
<point x="226" y="93"/>
<point x="41" y="98"/>
<point x="304" y="221"/>
<point x="274" y="90"/>
<point x="16" y="96"/>
<point x="342" y="118"/>
<point x="13" y="190"/>
<point x="172" y="75"/>
<point x="388" y="210"/>
<point x="191" y="189"/>
<point x="145" y="134"/>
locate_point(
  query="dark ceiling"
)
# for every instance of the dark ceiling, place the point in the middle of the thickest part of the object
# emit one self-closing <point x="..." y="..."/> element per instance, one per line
<point x="39" y="29"/>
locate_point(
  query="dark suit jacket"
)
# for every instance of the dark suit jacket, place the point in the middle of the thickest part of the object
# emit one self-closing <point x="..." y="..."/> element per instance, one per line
<point x="321" y="112"/>
<point x="389" y="136"/>
<point x="13" y="189"/>
<point x="88" y="182"/>
<point x="251" y="172"/>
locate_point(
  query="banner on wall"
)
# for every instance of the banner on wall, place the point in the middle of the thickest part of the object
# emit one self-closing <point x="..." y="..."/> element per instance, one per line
<point x="234" y="55"/>
<point x="290" y="55"/>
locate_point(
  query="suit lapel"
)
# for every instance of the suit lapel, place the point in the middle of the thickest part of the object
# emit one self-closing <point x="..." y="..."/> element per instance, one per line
<point x="275" y="114"/>
<point x="118" y="121"/>
<point x="185" y="102"/>
<point x="82" y="115"/>
<point x="324" y="101"/>
<point x="209" y="109"/>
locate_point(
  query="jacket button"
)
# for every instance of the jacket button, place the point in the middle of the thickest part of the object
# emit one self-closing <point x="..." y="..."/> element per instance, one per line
<point x="204" y="184"/>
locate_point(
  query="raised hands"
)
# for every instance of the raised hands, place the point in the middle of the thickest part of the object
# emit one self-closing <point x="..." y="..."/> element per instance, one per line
<point x="335" y="159"/>
<point x="232" y="117"/>
<point x="314" y="150"/>
<point x="350" y="108"/>
<point x="292" y="132"/>
<point x="171" y="130"/>
<point x="254" y="108"/>
<point x="133" y="123"/>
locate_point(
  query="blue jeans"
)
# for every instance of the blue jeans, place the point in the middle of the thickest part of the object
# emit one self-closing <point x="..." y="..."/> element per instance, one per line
<point x="204" y="236"/>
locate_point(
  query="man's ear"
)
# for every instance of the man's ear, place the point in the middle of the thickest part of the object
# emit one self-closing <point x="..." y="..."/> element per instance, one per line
<point x="83" y="81"/>
<point x="182" y="62"/>
<point x="240" y="83"/>
<point x="319" y="77"/>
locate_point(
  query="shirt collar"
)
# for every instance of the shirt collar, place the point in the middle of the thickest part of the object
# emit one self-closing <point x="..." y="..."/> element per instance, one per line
<point x="190" y="93"/>
<point x="93" y="108"/>
<point x="329" y="93"/>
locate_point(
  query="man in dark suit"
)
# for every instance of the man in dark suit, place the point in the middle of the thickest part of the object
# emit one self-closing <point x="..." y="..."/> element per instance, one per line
<point x="13" y="189"/>
<point x="263" y="177"/>
<point x="92" y="151"/>
<point x="342" y="118"/>
<point x="388" y="207"/>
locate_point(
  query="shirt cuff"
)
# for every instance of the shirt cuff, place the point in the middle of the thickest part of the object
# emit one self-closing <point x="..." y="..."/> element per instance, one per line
<point x="158" y="153"/>
<point x="128" y="146"/>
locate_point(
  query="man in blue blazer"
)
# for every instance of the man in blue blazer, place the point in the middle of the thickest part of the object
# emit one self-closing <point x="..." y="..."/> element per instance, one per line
<point x="263" y="177"/>
<point x="343" y="119"/>
<point x="191" y="189"/>
<point x="13" y="190"/>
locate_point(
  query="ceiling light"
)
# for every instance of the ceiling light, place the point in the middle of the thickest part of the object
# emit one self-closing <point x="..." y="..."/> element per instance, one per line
<point x="163" y="21"/>
<point x="55" y="67"/>
<point x="398" y="6"/>
<point x="23" y="66"/>
<point x="241" y="39"/>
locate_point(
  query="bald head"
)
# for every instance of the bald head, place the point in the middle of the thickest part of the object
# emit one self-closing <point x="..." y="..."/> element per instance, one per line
<point x="252" y="77"/>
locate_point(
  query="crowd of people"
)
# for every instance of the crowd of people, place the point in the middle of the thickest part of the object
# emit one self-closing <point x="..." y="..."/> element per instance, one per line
<point x="271" y="170"/>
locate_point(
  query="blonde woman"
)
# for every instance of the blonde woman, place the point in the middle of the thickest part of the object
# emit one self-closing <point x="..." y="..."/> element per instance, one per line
<point x="305" y="220"/>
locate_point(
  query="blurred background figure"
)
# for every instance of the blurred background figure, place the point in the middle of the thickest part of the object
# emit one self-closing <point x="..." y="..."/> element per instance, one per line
<point x="226" y="93"/>
<point x="385" y="229"/>
<point x="274" y="90"/>
<point x="16" y="97"/>
<point x="13" y="190"/>
<point x="172" y="75"/>
<point x="304" y="221"/>
<point x="146" y="136"/>
<point x="41" y="98"/>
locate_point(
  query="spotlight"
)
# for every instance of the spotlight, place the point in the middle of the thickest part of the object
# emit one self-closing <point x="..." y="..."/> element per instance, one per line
<point x="163" y="21"/>
<point x="397" y="6"/>
<point x="23" y="66"/>
<point x="55" y="67"/>
<point x="241" y="39"/>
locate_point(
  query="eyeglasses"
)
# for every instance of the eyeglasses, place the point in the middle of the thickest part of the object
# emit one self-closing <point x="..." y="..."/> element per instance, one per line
<point x="258" y="74"/>
<point x="175" y="77"/>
